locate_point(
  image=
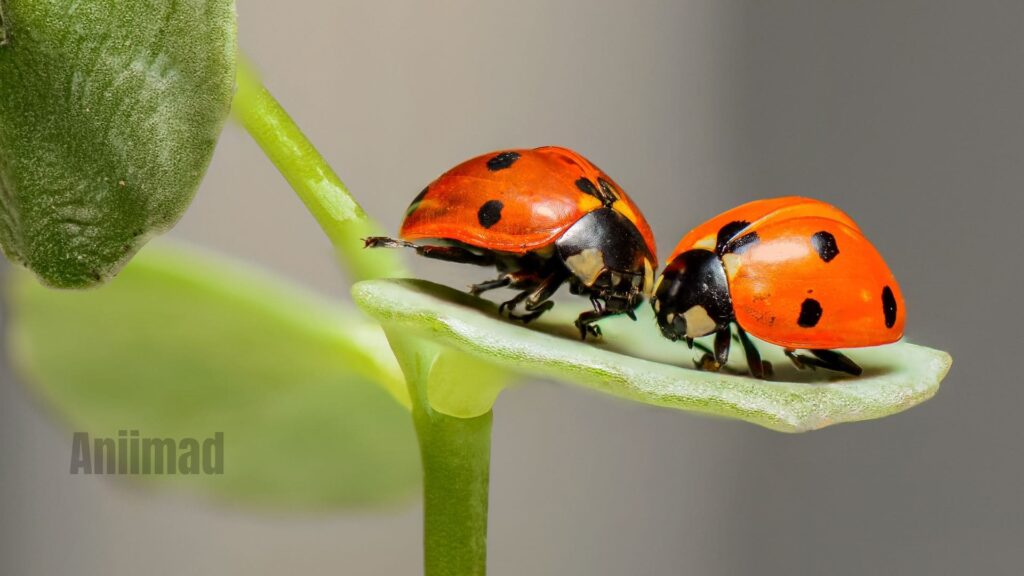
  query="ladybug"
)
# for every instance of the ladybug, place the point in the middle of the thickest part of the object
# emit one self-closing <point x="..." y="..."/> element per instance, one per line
<point x="792" y="271"/>
<point x="542" y="217"/>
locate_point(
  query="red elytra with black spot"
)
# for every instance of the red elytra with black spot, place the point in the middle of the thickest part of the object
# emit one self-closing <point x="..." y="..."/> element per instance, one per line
<point x="515" y="201"/>
<point x="543" y="218"/>
<point x="792" y="271"/>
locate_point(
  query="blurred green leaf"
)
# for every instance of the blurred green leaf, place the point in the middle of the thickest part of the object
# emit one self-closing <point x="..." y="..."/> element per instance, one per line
<point x="109" y="113"/>
<point x="185" y="345"/>
<point x="634" y="361"/>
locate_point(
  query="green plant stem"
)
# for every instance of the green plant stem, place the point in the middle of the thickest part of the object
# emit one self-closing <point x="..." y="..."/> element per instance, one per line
<point x="455" y="452"/>
<point x="312" y="178"/>
<point x="456" y="457"/>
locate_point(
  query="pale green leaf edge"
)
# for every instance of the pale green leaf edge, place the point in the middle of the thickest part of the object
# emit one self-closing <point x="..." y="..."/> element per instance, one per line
<point x="897" y="377"/>
<point x="364" y="342"/>
<point x="361" y="344"/>
<point x="355" y="343"/>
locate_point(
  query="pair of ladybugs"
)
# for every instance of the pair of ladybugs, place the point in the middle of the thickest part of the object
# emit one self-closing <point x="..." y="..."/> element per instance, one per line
<point x="792" y="271"/>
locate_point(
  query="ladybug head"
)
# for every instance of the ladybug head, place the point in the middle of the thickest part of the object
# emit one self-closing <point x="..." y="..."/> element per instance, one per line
<point x="691" y="297"/>
<point x="608" y="258"/>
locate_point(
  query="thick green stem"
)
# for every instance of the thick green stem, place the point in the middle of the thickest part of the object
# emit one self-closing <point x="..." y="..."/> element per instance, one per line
<point x="324" y="194"/>
<point x="456" y="455"/>
<point x="456" y="452"/>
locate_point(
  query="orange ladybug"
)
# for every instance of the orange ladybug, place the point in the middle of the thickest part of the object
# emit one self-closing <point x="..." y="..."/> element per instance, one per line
<point x="792" y="271"/>
<point x="542" y="217"/>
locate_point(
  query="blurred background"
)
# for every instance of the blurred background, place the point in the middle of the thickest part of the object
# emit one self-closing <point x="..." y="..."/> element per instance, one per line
<point x="906" y="114"/>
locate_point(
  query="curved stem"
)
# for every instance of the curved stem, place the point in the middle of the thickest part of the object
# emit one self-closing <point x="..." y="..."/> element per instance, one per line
<point x="312" y="178"/>
<point x="455" y="452"/>
<point x="456" y="456"/>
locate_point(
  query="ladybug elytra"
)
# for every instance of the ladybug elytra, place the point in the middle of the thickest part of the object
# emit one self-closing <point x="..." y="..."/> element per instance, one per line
<point x="792" y="271"/>
<point x="543" y="218"/>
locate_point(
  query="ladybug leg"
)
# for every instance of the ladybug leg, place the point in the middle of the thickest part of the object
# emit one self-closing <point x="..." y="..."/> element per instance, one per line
<point x="385" y="242"/>
<point x="758" y="368"/>
<point x="446" y="253"/>
<point x="585" y="322"/>
<point x="799" y="360"/>
<point x="828" y="359"/>
<point x="698" y="345"/>
<point x="714" y="362"/>
<point x="604" y="306"/>
<point x="537" y="300"/>
<point x="478" y="289"/>
<point x="519" y="279"/>
<point x="456" y="254"/>
<point x="723" y="342"/>
<point x="509" y="305"/>
<point x="837" y="361"/>
<point x="535" y="312"/>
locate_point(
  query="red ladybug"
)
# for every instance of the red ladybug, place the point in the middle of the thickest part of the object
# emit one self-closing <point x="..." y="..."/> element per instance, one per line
<point x="792" y="271"/>
<point x="542" y="217"/>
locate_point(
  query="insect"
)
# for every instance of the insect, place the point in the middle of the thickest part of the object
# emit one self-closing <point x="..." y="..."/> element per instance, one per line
<point x="542" y="217"/>
<point x="792" y="271"/>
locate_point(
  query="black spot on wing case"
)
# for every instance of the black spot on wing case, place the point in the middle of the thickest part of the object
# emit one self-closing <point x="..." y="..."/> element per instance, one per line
<point x="824" y="243"/>
<point x="810" y="313"/>
<point x="889" y="307"/>
<point x="502" y="161"/>
<point x="489" y="213"/>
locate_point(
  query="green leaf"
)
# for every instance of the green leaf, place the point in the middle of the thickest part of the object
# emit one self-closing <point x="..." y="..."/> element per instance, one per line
<point x="634" y="361"/>
<point x="183" y="345"/>
<point x="109" y="113"/>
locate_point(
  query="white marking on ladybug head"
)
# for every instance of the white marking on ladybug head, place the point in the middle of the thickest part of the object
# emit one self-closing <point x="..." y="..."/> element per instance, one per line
<point x="698" y="322"/>
<point x="586" y="265"/>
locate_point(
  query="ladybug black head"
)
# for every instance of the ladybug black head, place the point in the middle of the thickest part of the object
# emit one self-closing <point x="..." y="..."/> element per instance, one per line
<point x="691" y="298"/>
<point x="608" y="258"/>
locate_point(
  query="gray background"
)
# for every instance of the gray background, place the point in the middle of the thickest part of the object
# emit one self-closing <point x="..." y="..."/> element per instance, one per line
<point x="906" y="114"/>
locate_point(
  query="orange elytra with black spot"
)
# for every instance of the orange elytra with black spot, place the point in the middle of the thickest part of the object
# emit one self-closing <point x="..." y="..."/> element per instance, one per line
<point x="516" y="200"/>
<point x="542" y="217"/>
<point x="791" y="271"/>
